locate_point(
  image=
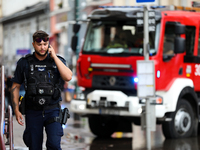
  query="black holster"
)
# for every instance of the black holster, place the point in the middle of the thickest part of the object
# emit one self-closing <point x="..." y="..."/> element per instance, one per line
<point x="62" y="118"/>
<point x="65" y="115"/>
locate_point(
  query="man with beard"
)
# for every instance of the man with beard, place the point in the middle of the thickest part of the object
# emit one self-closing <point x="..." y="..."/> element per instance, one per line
<point x="43" y="74"/>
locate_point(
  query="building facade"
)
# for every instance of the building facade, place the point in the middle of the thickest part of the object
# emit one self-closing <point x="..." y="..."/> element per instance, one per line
<point x="19" y="23"/>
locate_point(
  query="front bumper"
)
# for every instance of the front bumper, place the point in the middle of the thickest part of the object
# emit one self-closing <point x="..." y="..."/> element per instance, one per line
<point x="112" y="103"/>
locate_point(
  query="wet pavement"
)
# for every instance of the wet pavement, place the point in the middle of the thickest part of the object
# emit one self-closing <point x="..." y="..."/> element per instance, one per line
<point x="77" y="136"/>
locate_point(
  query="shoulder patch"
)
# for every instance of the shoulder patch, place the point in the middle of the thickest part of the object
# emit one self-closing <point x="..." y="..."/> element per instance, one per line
<point x="60" y="57"/>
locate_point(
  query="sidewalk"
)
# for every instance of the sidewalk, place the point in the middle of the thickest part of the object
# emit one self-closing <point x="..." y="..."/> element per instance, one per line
<point x="17" y="135"/>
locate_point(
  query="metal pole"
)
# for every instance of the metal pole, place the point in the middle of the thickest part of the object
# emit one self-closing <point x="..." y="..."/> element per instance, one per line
<point x="10" y="120"/>
<point x="146" y="57"/>
<point x="148" y="128"/>
<point x="146" y="33"/>
<point x="2" y="110"/>
<point x="75" y="9"/>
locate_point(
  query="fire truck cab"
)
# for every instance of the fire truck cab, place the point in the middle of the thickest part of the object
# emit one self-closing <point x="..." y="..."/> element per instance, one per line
<point x="107" y="70"/>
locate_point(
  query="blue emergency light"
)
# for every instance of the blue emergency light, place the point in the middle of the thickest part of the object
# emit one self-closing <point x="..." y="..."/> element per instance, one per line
<point x="120" y="6"/>
<point x="144" y="1"/>
<point x="135" y="80"/>
<point x="152" y="7"/>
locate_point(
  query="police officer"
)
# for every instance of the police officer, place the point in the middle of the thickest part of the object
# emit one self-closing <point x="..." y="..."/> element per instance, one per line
<point x="43" y="74"/>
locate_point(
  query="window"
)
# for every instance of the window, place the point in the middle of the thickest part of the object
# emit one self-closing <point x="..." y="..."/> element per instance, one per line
<point x="168" y="47"/>
<point x="199" y="43"/>
<point x="118" y="37"/>
<point x="190" y="38"/>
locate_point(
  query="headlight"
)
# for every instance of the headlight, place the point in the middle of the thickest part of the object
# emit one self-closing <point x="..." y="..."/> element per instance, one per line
<point x="81" y="106"/>
<point x="79" y="96"/>
<point x="158" y="100"/>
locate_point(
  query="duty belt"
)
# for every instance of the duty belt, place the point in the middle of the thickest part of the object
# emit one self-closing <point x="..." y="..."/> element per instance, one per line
<point x="47" y="107"/>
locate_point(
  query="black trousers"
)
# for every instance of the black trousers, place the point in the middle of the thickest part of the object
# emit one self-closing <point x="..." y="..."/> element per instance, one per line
<point x="35" y="124"/>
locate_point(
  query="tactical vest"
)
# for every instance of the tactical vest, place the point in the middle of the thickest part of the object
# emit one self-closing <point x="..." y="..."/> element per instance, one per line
<point x="42" y="85"/>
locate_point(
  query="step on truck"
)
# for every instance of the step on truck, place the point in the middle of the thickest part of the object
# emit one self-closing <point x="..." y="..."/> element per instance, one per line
<point x="107" y="69"/>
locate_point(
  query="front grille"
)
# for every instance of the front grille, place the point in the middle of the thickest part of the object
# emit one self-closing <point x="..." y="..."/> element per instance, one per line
<point x="113" y="82"/>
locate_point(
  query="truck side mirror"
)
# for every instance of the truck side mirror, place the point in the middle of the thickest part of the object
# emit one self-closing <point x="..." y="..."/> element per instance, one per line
<point x="179" y="45"/>
<point x="74" y="43"/>
<point x="76" y="28"/>
<point x="179" y="29"/>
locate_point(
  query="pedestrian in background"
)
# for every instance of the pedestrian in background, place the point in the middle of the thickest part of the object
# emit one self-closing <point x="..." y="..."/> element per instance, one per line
<point x="43" y="74"/>
<point x="8" y="85"/>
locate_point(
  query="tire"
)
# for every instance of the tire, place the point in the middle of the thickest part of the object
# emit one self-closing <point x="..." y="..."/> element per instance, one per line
<point x="102" y="126"/>
<point x="183" y="121"/>
<point x="137" y="121"/>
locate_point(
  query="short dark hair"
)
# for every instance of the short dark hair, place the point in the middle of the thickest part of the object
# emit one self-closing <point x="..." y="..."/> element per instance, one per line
<point x="40" y="34"/>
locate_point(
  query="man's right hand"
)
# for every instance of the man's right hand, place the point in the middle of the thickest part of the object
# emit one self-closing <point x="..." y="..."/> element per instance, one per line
<point x="19" y="117"/>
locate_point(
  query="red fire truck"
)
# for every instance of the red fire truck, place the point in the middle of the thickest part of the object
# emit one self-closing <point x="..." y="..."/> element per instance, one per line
<point x="107" y="69"/>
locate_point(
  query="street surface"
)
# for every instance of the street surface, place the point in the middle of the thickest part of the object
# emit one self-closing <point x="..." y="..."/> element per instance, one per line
<point x="77" y="136"/>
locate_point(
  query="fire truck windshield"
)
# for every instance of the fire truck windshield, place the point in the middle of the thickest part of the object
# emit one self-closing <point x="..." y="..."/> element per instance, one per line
<point x="118" y="38"/>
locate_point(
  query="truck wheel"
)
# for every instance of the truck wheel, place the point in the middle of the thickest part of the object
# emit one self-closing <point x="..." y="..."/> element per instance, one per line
<point x="183" y="121"/>
<point x="102" y="126"/>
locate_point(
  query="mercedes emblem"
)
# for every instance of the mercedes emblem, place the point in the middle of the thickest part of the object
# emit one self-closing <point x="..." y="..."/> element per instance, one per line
<point x="112" y="80"/>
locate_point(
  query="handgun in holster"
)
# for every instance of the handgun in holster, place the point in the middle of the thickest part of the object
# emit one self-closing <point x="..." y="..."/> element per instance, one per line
<point x="22" y="104"/>
<point x="62" y="118"/>
<point x="65" y="115"/>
